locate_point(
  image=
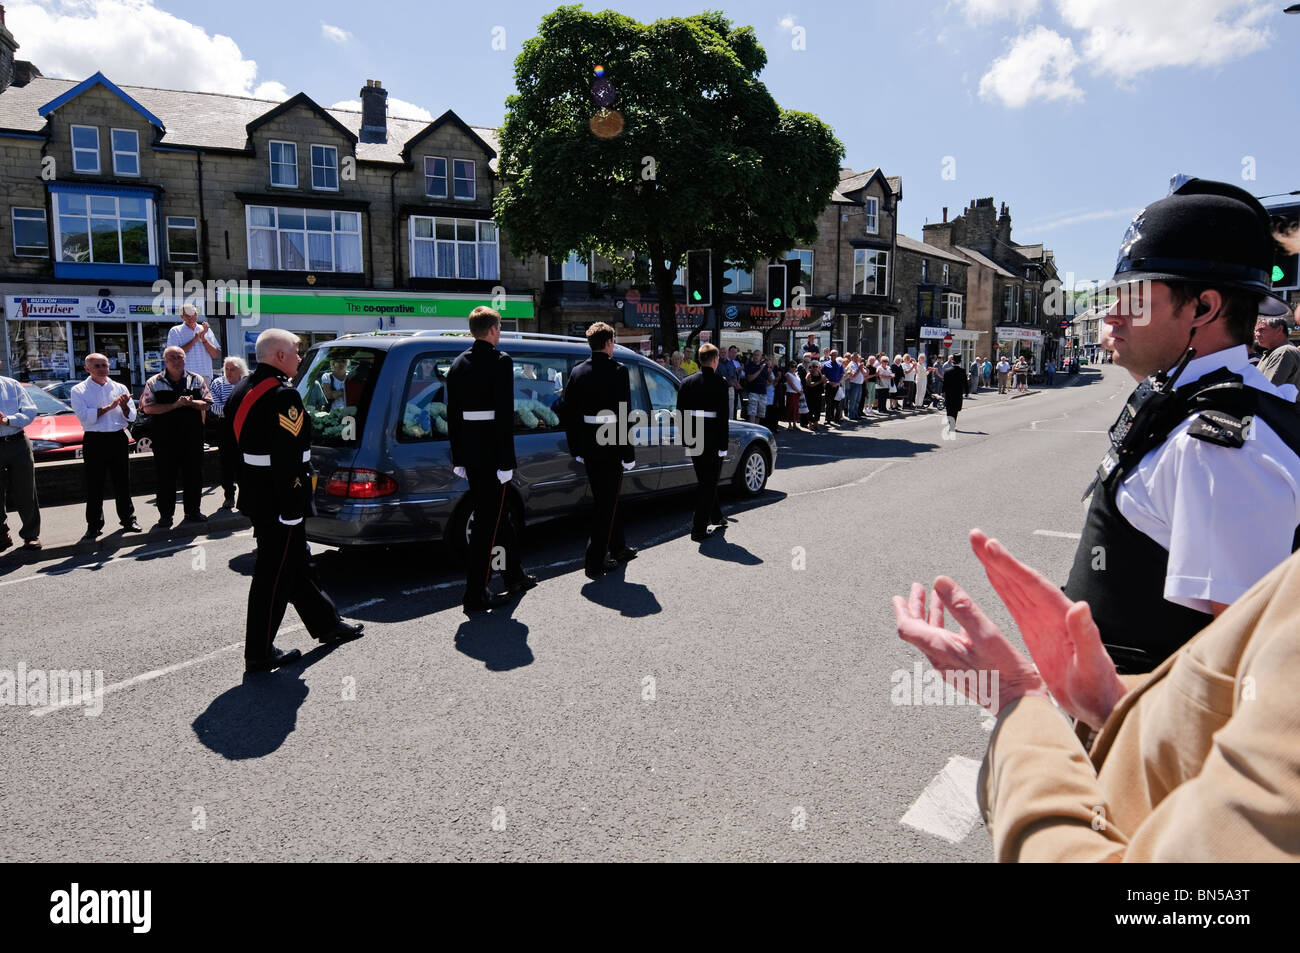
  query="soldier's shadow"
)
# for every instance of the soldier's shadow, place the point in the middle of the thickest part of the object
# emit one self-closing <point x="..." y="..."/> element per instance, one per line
<point x="495" y="639"/>
<point x="630" y="599"/>
<point x="254" y="718"/>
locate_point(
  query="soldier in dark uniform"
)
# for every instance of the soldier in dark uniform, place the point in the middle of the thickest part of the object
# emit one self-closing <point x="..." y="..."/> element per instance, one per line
<point x="481" y="427"/>
<point x="597" y="404"/>
<point x="275" y="492"/>
<point x="703" y="398"/>
<point x="955" y="384"/>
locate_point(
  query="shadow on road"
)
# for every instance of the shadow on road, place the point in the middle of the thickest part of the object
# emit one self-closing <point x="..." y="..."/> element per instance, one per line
<point x="495" y="639"/>
<point x="719" y="547"/>
<point x="253" y="719"/>
<point x="630" y="599"/>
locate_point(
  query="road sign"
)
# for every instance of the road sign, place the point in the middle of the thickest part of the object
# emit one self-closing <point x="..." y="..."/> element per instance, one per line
<point x="947" y="340"/>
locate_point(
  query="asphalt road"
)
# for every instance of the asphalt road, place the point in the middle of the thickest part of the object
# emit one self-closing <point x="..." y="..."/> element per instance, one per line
<point x="723" y="701"/>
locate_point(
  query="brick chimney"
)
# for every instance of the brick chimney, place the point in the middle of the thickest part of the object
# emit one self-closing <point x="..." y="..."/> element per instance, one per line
<point x="374" y="112"/>
<point x="8" y="46"/>
<point x="945" y="213"/>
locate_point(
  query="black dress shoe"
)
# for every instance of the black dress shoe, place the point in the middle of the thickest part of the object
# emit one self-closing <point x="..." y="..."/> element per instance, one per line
<point x="482" y="603"/>
<point x="626" y="554"/>
<point x="228" y="503"/>
<point x="131" y="527"/>
<point x="701" y="537"/>
<point x="164" y="523"/>
<point x="342" y="632"/>
<point x="194" y="518"/>
<point x="93" y="530"/>
<point x="277" y="658"/>
<point x="522" y="584"/>
<point x="609" y="564"/>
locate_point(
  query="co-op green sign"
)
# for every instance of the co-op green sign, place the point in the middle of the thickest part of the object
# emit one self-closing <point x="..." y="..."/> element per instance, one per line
<point x="515" y="306"/>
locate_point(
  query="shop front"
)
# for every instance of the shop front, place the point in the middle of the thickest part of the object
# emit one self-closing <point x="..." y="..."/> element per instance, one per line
<point x="316" y="316"/>
<point x="1013" y="342"/>
<point x="48" y="334"/>
<point x="964" y="342"/>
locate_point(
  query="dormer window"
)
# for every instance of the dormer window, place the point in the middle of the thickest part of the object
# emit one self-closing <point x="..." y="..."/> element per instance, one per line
<point x="284" y="164"/>
<point x="325" y="168"/>
<point x="126" y="152"/>
<point x="871" y="212"/>
<point x="85" y="150"/>
<point x="463" y="173"/>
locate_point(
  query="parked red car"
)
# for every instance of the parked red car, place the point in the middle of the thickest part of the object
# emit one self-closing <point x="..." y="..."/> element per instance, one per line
<point x="56" y="432"/>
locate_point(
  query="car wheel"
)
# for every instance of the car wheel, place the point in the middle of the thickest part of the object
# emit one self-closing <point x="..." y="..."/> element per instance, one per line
<point x="753" y="471"/>
<point x="144" y="445"/>
<point x="462" y="520"/>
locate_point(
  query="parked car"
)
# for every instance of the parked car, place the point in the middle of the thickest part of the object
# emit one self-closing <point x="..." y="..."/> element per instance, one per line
<point x="56" y="433"/>
<point x="383" y="460"/>
<point x="60" y="390"/>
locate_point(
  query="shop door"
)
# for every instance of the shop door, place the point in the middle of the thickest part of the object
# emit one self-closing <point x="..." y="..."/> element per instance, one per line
<point x="114" y="342"/>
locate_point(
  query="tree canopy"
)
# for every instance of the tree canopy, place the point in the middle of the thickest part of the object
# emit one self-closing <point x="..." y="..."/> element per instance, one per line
<point x="705" y="157"/>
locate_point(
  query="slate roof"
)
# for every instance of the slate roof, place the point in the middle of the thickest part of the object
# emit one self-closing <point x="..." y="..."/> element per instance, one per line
<point x="976" y="257"/>
<point x="930" y="251"/>
<point x="209" y="120"/>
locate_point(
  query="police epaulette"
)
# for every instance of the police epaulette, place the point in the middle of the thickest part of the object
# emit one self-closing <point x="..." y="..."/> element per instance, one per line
<point x="1215" y="426"/>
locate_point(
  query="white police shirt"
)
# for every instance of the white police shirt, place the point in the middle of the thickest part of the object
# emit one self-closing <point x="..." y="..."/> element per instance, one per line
<point x="1227" y="515"/>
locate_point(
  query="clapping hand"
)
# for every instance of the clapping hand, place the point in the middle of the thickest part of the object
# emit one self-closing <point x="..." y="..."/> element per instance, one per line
<point x="1060" y="634"/>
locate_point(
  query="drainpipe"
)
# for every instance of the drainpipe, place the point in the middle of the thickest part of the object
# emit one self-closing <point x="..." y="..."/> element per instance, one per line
<point x="399" y="277"/>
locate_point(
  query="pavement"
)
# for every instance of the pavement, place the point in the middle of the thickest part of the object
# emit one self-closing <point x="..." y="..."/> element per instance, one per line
<point x="736" y="699"/>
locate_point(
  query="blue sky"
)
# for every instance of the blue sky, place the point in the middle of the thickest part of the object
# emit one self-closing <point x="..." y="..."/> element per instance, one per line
<point x="1074" y="112"/>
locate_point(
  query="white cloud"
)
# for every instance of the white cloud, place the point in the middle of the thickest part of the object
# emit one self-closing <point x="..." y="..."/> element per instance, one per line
<point x="1085" y="217"/>
<point x="787" y="22"/>
<point x="1123" y="38"/>
<point x="337" y="34"/>
<point x="132" y="42"/>
<point x="985" y="11"/>
<point x="397" y="109"/>
<point x="1037" y="67"/>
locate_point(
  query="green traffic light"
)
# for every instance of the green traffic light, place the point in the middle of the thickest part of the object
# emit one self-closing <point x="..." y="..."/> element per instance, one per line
<point x="1277" y="273"/>
<point x="776" y="303"/>
<point x="697" y="296"/>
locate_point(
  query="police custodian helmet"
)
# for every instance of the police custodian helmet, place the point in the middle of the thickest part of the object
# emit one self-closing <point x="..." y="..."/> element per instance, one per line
<point x="1206" y="232"/>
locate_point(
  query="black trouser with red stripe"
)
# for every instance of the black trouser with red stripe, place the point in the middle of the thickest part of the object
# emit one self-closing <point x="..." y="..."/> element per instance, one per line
<point x="492" y="529"/>
<point x="605" y="477"/>
<point x="285" y="572"/>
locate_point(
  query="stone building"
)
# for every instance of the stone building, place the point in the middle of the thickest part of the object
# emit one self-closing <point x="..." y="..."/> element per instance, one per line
<point x="1006" y="282"/>
<point x="932" y="287"/>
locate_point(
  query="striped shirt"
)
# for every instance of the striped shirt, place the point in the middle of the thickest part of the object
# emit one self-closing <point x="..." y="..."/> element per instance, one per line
<point x="221" y="389"/>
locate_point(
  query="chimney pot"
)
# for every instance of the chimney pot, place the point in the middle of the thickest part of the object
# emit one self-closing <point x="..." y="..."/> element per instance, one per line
<point x="945" y="213"/>
<point x="374" y="112"/>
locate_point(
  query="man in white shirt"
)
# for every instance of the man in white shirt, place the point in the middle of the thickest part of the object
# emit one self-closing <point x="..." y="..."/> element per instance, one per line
<point x="1004" y="369"/>
<point x="197" y="341"/>
<point x="105" y="408"/>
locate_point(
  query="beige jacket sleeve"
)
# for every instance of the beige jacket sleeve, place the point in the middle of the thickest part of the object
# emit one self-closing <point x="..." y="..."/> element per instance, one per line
<point x="1200" y="762"/>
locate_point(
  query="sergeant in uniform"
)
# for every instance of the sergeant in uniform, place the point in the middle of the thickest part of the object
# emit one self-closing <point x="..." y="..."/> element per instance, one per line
<point x="703" y="398"/>
<point x="481" y="428"/>
<point x="597" y="406"/>
<point x="275" y="492"/>
<point x="1199" y="495"/>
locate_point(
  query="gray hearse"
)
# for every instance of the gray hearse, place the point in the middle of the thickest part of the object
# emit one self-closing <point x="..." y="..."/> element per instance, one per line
<point x="383" y="461"/>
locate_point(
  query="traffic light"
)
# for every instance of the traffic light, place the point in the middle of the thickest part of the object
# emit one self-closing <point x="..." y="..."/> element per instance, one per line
<point x="1286" y="264"/>
<point x="778" y="286"/>
<point x="699" y="278"/>
<point x="793" y="280"/>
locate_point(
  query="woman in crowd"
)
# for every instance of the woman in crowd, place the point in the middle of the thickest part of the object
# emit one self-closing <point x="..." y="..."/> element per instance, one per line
<point x="922" y="380"/>
<point x="793" y="396"/>
<point x="1022" y="374"/>
<point x="909" y="382"/>
<point x="234" y="370"/>
<point x="853" y="378"/>
<point x="896" y="384"/>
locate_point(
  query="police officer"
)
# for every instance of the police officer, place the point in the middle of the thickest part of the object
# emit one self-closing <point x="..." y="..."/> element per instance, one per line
<point x="1199" y="494"/>
<point x="275" y="491"/>
<point x="597" y="405"/>
<point x="703" y="399"/>
<point x="481" y="425"/>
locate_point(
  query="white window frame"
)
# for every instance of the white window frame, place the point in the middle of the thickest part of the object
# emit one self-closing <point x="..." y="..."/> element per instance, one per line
<point x="569" y="268"/>
<point x="192" y="227"/>
<point x="311" y="155"/>
<point x="871" y="215"/>
<point x="953" y="309"/>
<point x="884" y="343"/>
<point x="45" y="227"/>
<point x="472" y="180"/>
<point x="249" y="228"/>
<point x="945" y="273"/>
<point x="740" y="272"/>
<point x="925" y="271"/>
<point x="149" y="215"/>
<point x="270" y="158"/>
<point x="72" y="141"/>
<point x="860" y="266"/>
<point x="134" y="153"/>
<point x="413" y="239"/>
<point x="445" y="177"/>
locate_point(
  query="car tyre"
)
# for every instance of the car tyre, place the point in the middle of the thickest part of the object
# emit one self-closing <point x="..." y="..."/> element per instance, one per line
<point x="753" y="470"/>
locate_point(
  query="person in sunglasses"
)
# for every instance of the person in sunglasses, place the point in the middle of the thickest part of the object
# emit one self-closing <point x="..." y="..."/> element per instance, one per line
<point x="1198" y="496"/>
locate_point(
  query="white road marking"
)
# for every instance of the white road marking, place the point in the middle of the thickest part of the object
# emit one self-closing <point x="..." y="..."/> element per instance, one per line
<point x="947" y="807"/>
<point x="85" y="699"/>
<point x="842" y="486"/>
<point x="1057" y="534"/>
<point x="122" y="558"/>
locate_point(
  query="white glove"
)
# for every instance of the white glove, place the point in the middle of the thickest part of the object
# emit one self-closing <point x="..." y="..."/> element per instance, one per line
<point x="459" y="471"/>
<point x="628" y="465"/>
<point x="579" y="460"/>
<point x="722" y="453"/>
<point x="505" y="475"/>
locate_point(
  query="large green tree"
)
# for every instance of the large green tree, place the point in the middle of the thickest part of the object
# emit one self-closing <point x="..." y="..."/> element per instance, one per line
<point x="705" y="157"/>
